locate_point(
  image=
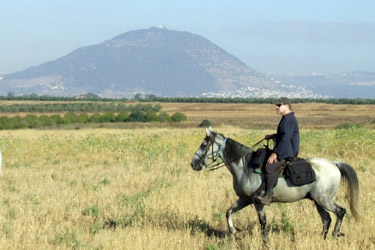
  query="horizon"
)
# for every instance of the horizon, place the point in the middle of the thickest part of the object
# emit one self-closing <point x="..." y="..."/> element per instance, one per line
<point x="290" y="37"/>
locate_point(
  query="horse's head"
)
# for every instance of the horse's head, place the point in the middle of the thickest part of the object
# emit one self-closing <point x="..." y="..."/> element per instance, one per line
<point x="209" y="149"/>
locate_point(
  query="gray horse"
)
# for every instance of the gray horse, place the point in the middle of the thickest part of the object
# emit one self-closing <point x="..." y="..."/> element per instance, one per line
<point x="247" y="183"/>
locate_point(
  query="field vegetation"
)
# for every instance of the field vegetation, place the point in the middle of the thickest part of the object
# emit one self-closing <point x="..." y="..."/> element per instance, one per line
<point x="132" y="187"/>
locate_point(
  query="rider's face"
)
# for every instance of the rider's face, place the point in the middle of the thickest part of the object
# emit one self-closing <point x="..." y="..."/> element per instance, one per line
<point x="282" y="109"/>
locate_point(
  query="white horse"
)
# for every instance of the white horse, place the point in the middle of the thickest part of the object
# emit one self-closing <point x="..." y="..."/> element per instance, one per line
<point x="247" y="183"/>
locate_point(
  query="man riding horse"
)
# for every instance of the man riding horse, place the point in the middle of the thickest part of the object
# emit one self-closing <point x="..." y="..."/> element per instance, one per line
<point x="286" y="147"/>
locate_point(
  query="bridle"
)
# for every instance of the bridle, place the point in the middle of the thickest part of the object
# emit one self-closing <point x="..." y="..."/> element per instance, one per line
<point x="213" y="165"/>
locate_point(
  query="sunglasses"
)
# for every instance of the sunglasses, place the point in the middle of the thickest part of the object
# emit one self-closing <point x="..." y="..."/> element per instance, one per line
<point x="278" y="105"/>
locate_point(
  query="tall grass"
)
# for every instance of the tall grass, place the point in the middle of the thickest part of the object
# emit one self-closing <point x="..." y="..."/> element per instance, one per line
<point x="135" y="189"/>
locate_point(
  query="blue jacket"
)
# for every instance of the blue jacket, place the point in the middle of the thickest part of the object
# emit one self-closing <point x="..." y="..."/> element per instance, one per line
<point x="287" y="138"/>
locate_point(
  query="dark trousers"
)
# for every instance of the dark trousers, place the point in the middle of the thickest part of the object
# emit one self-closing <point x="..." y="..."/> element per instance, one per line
<point x="272" y="173"/>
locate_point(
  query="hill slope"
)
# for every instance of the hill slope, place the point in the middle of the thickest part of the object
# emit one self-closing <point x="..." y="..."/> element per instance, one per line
<point x="155" y="60"/>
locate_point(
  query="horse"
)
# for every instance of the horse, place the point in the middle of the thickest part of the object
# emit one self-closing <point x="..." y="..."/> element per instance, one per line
<point x="247" y="183"/>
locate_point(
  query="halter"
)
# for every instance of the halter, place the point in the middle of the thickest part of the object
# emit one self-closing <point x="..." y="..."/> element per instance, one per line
<point x="215" y="155"/>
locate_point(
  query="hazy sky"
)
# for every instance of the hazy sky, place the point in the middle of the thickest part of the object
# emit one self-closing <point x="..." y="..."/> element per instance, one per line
<point x="286" y="36"/>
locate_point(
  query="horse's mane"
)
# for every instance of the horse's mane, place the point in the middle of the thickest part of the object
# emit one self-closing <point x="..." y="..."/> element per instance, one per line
<point x="236" y="151"/>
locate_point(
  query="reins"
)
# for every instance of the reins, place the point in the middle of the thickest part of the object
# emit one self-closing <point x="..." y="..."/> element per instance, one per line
<point x="215" y="166"/>
<point x="256" y="144"/>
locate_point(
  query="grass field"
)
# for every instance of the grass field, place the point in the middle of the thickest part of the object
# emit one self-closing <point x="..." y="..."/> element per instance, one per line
<point x="133" y="188"/>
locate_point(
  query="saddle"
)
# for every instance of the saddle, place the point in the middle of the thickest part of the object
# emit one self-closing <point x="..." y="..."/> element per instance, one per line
<point x="298" y="171"/>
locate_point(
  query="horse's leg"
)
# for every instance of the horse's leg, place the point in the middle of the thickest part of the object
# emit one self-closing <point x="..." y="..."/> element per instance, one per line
<point x="340" y="212"/>
<point x="326" y="219"/>
<point x="261" y="211"/>
<point x="238" y="205"/>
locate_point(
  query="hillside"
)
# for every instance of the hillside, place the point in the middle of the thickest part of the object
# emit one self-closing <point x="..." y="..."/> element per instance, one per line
<point x="175" y="64"/>
<point x="150" y="61"/>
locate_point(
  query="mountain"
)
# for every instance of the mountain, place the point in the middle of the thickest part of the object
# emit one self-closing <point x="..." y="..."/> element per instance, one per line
<point x="356" y="84"/>
<point x="172" y="63"/>
<point x="152" y="61"/>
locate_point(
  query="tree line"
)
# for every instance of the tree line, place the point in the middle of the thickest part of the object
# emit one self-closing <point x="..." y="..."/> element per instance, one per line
<point x="153" y="98"/>
<point x="34" y="121"/>
<point x="78" y="107"/>
<point x="256" y="100"/>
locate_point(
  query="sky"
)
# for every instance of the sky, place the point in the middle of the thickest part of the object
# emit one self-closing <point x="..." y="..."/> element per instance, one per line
<point x="273" y="36"/>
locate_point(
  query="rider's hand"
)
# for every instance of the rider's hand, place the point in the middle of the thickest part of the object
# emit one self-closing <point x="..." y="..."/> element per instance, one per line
<point x="272" y="158"/>
<point x="269" y="137"/>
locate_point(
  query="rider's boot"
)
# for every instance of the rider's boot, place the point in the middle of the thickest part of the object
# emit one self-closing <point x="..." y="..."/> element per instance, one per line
<point x="266" y="199"/>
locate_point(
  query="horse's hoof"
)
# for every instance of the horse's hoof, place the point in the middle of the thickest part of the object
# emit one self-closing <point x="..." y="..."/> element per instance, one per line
<point x="339" y="235"/>
<point x="265" y="240"/>
<point x="235" y="235"/>
<point x="238" y="236"/>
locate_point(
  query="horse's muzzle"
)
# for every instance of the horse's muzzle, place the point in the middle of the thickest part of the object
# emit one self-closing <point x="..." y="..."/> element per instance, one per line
<point x="196" y="165"/>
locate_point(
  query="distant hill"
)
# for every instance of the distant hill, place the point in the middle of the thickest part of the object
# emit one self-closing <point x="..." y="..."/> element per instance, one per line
<point x="151" y="61"/>
<point x="356" y="84"/>
<point x="171" y="63"/>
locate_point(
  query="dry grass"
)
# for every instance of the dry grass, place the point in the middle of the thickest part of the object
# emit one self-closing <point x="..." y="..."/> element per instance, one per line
<point x="134" y="189"/>
<point x="310" y="115"/>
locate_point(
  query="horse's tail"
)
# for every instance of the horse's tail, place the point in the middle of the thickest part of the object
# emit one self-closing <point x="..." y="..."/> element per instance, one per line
<point x="349" y="176"/>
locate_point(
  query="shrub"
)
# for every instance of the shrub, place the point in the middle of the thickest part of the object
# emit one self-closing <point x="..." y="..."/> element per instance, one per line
<point x="137" y="116"/>
<point x="96" y="118"/>
<point x="151" y="116"/>
<point x="83" y="118"/>
<point x="109" y="117"/>
<point x="56" y="119"/>
<point x="164" y="117"/>
<point x="178" y="117"/>
<point x="70" y="118"/>
<point x="122" y="116"/>
<point x="32" y="121"/>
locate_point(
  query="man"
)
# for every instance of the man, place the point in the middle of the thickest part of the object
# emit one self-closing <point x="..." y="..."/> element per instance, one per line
<point x="286" y="147"/>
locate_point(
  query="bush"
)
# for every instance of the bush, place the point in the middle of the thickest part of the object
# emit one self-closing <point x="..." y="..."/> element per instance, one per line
<point x="32" y="121"/>
<point x="122" y="116"/>
<point x="109" y="117"/>
<point x="151" y="116"/>
<point x="164" y="117"/>
<point x="83" y="118"/>
<point x="70" y="118"/>
<point x="178" y="117"/>
<point x="56" y="119"/>
<point x="137" y="116"/>
<point x="96" y="118"/>
<point x="205" y="123"/>
<point x="44" y="120"/>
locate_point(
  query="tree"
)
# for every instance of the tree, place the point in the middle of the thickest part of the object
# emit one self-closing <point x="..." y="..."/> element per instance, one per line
<point x="138" y="96"/>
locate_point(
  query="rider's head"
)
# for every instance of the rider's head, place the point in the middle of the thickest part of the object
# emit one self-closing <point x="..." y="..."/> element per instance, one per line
<point x="283" y="105"/>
